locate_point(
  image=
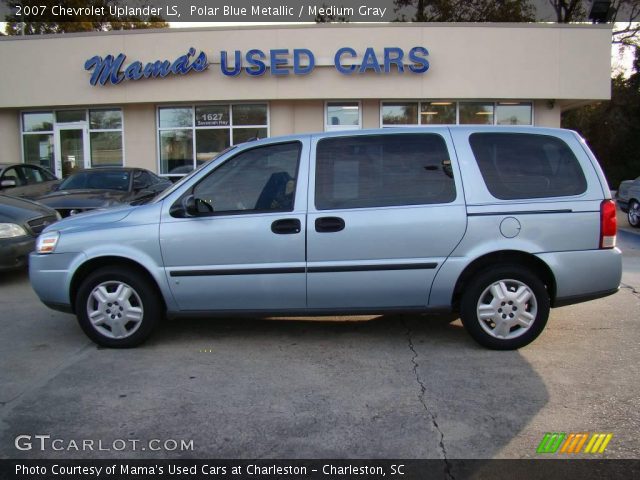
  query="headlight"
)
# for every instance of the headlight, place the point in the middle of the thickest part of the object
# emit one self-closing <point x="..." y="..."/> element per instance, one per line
<point x="47" y="242"/>
<point x="8" y="230"/>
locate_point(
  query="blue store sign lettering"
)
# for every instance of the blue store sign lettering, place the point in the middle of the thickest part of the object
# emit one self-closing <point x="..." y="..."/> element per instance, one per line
<point x="278" y="62"/>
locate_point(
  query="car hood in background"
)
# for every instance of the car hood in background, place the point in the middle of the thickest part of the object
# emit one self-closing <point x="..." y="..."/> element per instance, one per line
<point x="17" y="210"/>
<point x="95" y="217"/>
<point x="90" y="198"/>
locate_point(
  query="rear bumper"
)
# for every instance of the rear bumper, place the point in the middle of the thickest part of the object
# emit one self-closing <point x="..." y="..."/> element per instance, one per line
<point x="14" y="252"/>
<point x="563" y="302"/>
<point x="584" y="275"/>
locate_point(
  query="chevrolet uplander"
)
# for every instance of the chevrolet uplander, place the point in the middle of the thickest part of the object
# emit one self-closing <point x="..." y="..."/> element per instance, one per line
<point x="498" y="224"/>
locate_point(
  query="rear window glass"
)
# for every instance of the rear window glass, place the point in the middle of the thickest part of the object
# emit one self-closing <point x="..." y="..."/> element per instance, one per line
<point x="383" y="170"/>
<point x="520" y="165"/>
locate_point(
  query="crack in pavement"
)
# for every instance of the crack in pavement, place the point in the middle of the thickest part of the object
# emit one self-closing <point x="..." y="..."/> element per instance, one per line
<point x="634" y="291"/>
<point x="421" y="397"/>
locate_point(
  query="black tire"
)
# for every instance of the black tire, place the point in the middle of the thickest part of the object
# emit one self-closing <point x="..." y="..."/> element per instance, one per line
<point x="513" y="276"/>
<point x="144" y="302"/>
<point x="633" y="214"/>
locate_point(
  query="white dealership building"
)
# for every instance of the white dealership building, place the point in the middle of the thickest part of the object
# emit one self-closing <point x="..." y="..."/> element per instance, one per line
<point x="170" y="99"/>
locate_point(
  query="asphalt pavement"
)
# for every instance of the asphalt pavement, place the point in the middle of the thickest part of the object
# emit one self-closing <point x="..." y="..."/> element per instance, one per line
<point x="366" y="387"/>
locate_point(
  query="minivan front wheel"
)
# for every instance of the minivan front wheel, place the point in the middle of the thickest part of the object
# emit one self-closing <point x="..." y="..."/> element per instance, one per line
<point x="505" y="308"/>
<point x="116" y="307"/>
<point x="633" y="215"/>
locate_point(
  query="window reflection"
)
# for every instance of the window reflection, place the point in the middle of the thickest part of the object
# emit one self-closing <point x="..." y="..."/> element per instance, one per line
<point x="400" y="113"/>
<point x="476" y="113"/>
<point x="513" y="113"/>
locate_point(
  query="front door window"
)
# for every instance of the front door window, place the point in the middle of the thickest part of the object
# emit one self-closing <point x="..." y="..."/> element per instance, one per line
<point x="71" y="150"/>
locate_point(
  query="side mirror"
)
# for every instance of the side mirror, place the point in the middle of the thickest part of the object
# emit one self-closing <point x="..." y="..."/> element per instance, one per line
<point x="8" y="183"/>
<point x="190" y="206"/>
<point x="193" y="206"/>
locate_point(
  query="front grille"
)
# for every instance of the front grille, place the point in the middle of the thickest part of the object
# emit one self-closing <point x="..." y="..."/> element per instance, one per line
<point x="37" y="225"/>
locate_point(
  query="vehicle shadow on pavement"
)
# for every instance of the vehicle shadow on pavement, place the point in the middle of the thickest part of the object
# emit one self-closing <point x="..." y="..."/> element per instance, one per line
<point x="388" y="386"/>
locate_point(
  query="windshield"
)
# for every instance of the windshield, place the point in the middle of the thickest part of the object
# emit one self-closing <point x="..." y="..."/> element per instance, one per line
<point x="179" y="183"/>
<point x="99" y="180"/>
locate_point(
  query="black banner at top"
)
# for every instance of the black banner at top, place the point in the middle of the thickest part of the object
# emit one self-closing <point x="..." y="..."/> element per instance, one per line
<point x="258" y="11"/>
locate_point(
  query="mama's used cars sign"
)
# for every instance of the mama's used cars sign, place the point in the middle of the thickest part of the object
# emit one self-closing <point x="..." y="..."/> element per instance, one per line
<point x="299" y="61"/>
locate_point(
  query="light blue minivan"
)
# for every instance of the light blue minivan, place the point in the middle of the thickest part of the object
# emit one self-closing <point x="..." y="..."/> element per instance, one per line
<point x="496" y="223"/>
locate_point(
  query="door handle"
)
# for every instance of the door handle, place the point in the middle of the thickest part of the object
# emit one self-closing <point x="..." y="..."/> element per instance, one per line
<point x="286" y="226"/>
<point x="329" y="224"/>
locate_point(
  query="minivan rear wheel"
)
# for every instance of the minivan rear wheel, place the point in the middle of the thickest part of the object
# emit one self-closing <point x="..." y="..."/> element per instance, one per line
<point x="505" y="308"/>
<point x="117" y="307"/>
<point x="633" y="215"/>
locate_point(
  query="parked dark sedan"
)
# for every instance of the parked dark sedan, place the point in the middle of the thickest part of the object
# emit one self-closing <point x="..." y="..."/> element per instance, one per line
<point x="103" y="187"/>
<point x="26" y="181"/>
<point x="21" y="221"/>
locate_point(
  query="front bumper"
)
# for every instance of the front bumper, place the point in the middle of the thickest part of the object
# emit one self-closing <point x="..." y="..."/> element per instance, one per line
<point x="50" y="277"/>
<point x="14" y="252"/>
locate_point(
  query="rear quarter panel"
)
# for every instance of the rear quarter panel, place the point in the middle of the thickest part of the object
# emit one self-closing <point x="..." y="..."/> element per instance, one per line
<point x="557" y="224"/>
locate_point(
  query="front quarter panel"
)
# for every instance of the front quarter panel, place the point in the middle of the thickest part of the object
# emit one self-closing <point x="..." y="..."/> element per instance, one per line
<point x="134" y="237"/>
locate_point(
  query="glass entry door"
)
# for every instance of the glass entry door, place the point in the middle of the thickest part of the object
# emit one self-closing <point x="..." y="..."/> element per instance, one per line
<point x="72" y="149"/>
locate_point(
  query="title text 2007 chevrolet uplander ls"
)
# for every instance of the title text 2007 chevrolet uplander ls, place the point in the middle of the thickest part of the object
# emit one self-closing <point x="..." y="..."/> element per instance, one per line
<point x="500" y="223"/>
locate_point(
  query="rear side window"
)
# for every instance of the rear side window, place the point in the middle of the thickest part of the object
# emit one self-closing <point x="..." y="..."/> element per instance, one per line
<point x="520" y="165"/>
<point x="383" y="170"/>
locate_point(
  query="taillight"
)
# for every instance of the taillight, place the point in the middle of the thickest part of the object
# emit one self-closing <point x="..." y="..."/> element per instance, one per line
<point x="608" y="224"/>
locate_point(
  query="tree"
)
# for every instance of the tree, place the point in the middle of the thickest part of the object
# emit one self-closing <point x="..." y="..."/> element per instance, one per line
<point x="624" y="14"/>
<point x="612" y="128"/>
<point x="467" y="10"/>
<point x="50" y="23"/>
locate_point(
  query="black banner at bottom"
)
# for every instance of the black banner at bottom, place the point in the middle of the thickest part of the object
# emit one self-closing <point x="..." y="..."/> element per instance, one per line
<point x="544" y="469"/>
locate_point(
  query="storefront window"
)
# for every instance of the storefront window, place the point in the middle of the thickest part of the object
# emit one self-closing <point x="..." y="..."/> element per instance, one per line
<point x="508" y="113"/>
<point x="241" y="135"/>
<point x="445" y="112"/>
<point x="400" y="113"/>
<point x="249" y="114"/>
<point x="176" y="151"/>
<point x="192" y="135"/>
<point x="37" y="122"/>
<point x="176" y="117"/>
<point x="106" y="148"/>
<point x="38" y="149"/>
<point x="210" y="142"/>
<point x="476" y="113"/>
<point x="70" y="116"/>
<point x="213" y="116"/>
<point x="105" y="137"/>
<point x="437" y="113"/>
<point x="342" y="116"/>
<point x="42" y="131"/>
<point x="105" y="119"/>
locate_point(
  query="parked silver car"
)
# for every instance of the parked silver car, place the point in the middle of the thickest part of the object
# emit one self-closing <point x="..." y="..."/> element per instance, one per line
<point x="628" y="198"/>
<point x="497" y="223"/>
